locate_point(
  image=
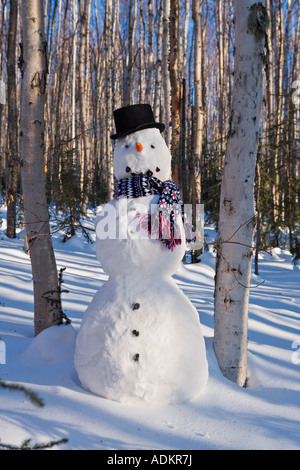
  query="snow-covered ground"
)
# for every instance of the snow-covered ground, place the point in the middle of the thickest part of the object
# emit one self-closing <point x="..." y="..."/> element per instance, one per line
<point x="266" y="415"/>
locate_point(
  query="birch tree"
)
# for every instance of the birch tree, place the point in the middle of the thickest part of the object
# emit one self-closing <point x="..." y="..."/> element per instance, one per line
<point x="83" y="85"/>
<point x="165" y="68"/>
<point x="3" y="11"/>
<point x="73" y="83"/>
<point x="128" y="86"/>
<point x="199" y="115"/>
<point x="175" y="89"/>
<point x="158" y="66"/>
<point x="150" y="51"/>
<point x="278" y="110"/>
<point x="33" y="63"/>
<point x="12" y="123"/>
<point x="237" y="212"/>
<point x="108" y="29"/>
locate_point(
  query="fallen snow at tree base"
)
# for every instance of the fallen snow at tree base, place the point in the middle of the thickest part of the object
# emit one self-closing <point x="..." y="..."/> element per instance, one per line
<point x="266" y="415"/>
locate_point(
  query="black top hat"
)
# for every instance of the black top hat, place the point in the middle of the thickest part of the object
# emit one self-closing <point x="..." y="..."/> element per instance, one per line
<point x="134" y="118"/>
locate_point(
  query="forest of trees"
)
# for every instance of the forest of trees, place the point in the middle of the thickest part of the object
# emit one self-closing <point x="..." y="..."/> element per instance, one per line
<point x="177" y="55"/>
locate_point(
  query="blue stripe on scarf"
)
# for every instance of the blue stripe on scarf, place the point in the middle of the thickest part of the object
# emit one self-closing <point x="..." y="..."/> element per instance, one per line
<point x="169" y="205"/>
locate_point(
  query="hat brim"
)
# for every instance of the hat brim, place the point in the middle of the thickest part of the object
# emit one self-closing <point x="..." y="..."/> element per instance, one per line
<point x="157" y="125"/>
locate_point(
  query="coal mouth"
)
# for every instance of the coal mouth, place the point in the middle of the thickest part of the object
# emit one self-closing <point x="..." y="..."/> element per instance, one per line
<point x="148" y="172"/>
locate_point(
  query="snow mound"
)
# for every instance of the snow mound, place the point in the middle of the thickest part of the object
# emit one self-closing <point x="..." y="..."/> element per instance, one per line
<point x="56" y="343"/>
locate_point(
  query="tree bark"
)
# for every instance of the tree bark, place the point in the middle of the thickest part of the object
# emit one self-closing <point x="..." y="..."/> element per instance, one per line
<point x="237" y="214"/>
<point x="219" y="18"/>
<point x="33" y="62"/>
<point x="141" y="55"/>
<point x="12" y="123"/>
<point x="73" y="83"/>
<point x="108" y="95"/>
<point x="83" y="86"/>
<point x="149" y="70"/>
<point x="158" y="65"/>
<point x="3" y="30"/>
<point x="128" y="87"/>
<point x="278" y="115"/>
<point x="175" y="90"/>
<point x="198" y="127"/>
<point x="165" y="68"/>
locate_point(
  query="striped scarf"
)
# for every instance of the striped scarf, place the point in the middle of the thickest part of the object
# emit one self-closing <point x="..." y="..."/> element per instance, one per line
<point x="163" y="223"/>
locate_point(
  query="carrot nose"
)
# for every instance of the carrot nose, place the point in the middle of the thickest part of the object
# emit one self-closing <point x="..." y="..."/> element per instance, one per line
<point x="139" y="146"/>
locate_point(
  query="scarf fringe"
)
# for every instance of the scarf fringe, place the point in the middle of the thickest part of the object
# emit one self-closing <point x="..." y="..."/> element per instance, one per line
<point x="162" y="224"/>
<point x="159" y="227"/>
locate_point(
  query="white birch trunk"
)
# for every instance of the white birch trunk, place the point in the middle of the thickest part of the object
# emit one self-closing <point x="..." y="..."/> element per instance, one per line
<point x="237" y="213"/>
<point x="128" y="79"/>
<point x="108" y="94"/>
<point x="12" y="123"/>
<point x="149" y="58"/>
<point x="175" y="89"/>
<point x="199" y="115"/>
<point x="73" y="83"/>
<point x="184" y="66"/>
<point x="47" y="311"/>
<point x="165" y="67"/>
<point x="158" y="66"/>
<point x="141" y="71"/>
<point x="279" y="102"/>
<point x="84" y="84"/>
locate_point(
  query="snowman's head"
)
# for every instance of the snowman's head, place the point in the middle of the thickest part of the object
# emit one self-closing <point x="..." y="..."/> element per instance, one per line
<point x="143" y="152"/>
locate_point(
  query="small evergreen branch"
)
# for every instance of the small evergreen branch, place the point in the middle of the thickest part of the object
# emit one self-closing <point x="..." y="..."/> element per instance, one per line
<point x="27" y="445"/>
<point x="60" y="291"/>
<point x="56" y="299"/>
<point x="34" y="398"/>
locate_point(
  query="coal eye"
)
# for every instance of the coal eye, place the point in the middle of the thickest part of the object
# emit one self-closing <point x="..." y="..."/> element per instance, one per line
<point x="127" y="146"/>
<point x="152" y="146"/>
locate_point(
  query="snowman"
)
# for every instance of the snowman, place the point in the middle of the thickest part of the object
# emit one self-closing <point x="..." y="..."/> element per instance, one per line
<point x="140" y="341"/>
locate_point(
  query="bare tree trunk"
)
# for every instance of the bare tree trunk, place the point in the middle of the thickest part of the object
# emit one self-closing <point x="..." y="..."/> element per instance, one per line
<point x="184" y="144"/>
<point x="141" y="68"/>
<point x="12" y="123"/>
<point x="50" y="40"/>
<point x="219" y="7"/>
<point x="258" y="218"/>
<point x="117" y="69"/>
<point x="237" y="215"/>
<point x="165" y="65"/>
<point x="198" y="108"/>
<point x="73" y="85"/>
<point x="84" y="84"/>
<point x="149" y="69"/>
<point x="158" y="66"/>
<point x="278" y="113"/>
<point x="295" y="76"/>
<point x="58" y="110"/>
<point x="270" y="124"/>
<point x="33" y="62"/>
<point x="2" y="92"/>
<point x="108" y="95"/>
<point x="128" y="79"/>
<point x="175" y="90"/>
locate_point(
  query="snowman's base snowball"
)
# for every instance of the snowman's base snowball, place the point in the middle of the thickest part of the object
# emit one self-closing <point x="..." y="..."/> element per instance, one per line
<point x="141" y="342"/>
